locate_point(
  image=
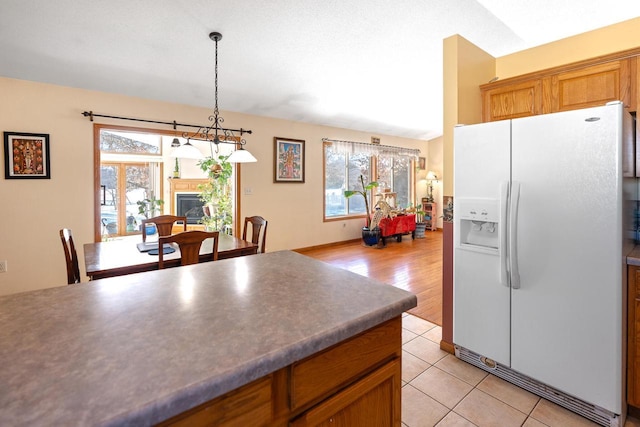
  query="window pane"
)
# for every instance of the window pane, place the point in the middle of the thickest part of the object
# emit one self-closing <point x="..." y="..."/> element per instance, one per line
<point x="401" y="181"/>
<point x="334" y="184"/>
<point x="138" y="189"/>
<point x="109" y="211"/>
<point x="129" y="142"/>
<point x="359" y="164"/>
<point x="385" y="175"/>
<point x="393" y="173"/>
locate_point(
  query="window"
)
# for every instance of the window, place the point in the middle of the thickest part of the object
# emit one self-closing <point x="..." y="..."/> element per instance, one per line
<point x="130" y="171"/>
<point x="345" y="161"/>
<point x="342" y="172"/>
<point x="393" y="173"/>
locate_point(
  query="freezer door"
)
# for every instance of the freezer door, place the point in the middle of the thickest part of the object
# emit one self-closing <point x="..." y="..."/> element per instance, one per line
<point x="566" y="315"/>
<point x="481" y="299"/>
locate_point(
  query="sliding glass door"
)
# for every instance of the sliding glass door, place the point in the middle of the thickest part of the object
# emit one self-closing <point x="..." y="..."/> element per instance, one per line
<point x="130" y="170"/>
<point x="123" y="186"/>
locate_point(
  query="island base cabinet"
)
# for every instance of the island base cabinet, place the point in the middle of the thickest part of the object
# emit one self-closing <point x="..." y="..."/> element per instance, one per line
<point x="373" y="401"/>
<point x="356" y="382"/>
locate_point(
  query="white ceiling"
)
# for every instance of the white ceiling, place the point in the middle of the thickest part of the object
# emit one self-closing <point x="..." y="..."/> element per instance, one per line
<point x="371" y="65"/>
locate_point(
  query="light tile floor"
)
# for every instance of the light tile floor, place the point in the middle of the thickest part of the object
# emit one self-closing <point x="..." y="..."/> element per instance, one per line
<point x="440" y="390"/>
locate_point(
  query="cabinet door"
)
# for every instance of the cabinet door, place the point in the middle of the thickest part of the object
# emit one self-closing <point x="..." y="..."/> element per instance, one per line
<point x="633" y="343"/>
<point x="371" y="402"/>
<point x="512" y="101"/>
<point x="592" y="86"/>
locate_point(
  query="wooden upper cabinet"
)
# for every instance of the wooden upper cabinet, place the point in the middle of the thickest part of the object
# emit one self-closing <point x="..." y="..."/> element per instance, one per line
<point x="508" y="102"/>
<point x="573" y="86"/>
<point x="592" y="86"/>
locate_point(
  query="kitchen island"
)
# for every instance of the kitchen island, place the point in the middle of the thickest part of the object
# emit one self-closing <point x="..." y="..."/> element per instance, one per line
<point x="274" y="338"/>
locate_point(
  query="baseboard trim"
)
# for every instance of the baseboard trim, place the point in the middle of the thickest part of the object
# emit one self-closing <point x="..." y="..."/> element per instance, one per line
<point x="326" y="245"/>
<point x="447" y="346"/>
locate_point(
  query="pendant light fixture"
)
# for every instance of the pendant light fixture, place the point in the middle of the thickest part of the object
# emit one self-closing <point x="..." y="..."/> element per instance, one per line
<point x="215" y="133"/>
<point x="185" y="151"/>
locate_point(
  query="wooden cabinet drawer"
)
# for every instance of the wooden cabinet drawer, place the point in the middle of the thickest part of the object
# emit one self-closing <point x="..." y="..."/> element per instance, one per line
<point x="250" y="405"/>
<point x="331" y="369"/>
<point x="372" y="401"/>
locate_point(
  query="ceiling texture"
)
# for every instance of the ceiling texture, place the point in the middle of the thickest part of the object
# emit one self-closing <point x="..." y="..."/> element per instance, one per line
<point x="369" y="65"/>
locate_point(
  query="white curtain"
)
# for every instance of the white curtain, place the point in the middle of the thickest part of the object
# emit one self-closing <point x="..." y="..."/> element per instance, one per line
<point x="352" y="147"/>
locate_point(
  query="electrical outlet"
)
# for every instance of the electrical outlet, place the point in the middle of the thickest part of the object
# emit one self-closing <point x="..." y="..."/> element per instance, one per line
<point x="3" y="266"/>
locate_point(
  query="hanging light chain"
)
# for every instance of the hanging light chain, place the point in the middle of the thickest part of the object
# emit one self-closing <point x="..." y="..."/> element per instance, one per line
<point x="215" y="110"/>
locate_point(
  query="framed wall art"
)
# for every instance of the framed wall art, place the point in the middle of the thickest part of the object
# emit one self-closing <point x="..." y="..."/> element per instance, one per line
<point x="26" y="155"/>
<point x="422" y="163"/>
<point x="288" y="160"/>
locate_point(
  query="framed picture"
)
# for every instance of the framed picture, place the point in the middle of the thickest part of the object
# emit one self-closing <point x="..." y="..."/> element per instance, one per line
<point x="422" y="163"/>
<point x="26" y="155"/>
<point x="288" y="160"/>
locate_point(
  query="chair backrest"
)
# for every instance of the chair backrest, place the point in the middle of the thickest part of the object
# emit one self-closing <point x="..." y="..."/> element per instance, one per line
<point x="258" y="231"/>
<point x="164" y="224"/>
<point x="189" y="243"/>
<point x="70" y="256"/>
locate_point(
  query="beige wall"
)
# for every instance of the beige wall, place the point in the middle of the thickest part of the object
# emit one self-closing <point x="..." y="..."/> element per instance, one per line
<point x="34" y="210"/>
<point x="614" y="38"/>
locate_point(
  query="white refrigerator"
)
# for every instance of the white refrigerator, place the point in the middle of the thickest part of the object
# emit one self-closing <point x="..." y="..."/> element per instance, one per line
<point x="541" y="231"/>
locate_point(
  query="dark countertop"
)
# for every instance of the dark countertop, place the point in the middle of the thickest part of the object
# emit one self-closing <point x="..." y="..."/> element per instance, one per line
<point x="633" y="258"/>
<point x="140" y="348"/>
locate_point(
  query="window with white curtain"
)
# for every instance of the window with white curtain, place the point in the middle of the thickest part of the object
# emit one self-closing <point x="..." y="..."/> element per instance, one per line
<point x="345" y="161"/>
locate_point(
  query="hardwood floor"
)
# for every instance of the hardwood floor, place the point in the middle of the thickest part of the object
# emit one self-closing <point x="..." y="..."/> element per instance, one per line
<point x="413" y="265"/>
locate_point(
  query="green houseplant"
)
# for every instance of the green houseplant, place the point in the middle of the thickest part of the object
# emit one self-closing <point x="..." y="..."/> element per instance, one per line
<point x="421" y="226"/>
<point x="216" y="193"/>
<point x="370" y="237"/>
<point x="147" y="208"/>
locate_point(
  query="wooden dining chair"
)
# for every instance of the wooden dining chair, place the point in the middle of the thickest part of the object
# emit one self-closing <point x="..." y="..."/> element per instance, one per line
<point x="189" y="243"/>
<point x="164" y="224"/>
<point x="70" y="256"/>
<point x="258" y="231"/>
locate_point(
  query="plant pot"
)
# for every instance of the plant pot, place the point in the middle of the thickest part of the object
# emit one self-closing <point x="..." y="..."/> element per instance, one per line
<point x="420" y="229"/>
<point x="370" y="237"/>
<point x="150" y="229"/>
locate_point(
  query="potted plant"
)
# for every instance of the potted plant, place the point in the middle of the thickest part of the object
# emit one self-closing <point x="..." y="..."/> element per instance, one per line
<point x="370" y="237"/>
<point x="148" y="207"/>
<point x="216" y="194"/>
<point x="176" y="170"/>
<point x="421" y="226"/>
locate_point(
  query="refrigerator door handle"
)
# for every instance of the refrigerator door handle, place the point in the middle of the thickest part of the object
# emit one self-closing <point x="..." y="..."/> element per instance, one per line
<point x="504" y="203"/>
<point x="513" y="235"/>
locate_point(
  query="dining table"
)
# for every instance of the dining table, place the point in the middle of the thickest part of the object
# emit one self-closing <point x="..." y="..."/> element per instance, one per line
<point x="121" y="256"/>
